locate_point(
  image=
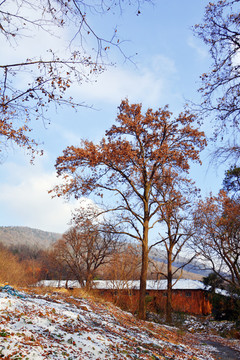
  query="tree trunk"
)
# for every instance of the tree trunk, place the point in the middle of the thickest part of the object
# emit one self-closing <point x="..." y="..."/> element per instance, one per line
<point x="66" y="284"/>
<point x="169" y="289"/>
<point x="88" y="281"/>
<point x="143" y="277"/>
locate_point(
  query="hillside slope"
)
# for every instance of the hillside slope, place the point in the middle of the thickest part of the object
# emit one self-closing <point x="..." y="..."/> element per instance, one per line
<point x="17" y="236"/>
<point x="12" y="236"/>
<point x="63" y="327"/>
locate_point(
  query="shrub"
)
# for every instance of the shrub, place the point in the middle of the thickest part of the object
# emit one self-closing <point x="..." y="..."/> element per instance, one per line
<point x="12" y="271"/>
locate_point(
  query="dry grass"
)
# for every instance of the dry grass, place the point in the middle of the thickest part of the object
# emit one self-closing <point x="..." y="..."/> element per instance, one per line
<point x="11" y="271"/>
<point x="15" y="272"/>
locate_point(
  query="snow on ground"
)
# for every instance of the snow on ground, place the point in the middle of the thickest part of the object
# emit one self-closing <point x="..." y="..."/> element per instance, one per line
<point x="57" y="326"/>
<point x="208" y="329"/>
<point x="130" y="284"/>
<point x="205" y="329"/>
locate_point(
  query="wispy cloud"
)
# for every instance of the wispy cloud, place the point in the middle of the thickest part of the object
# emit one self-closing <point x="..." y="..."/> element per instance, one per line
<point x="195" y="45"/>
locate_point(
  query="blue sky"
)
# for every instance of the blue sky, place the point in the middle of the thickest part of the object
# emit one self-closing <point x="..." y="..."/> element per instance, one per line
<point x="165" y="71"/>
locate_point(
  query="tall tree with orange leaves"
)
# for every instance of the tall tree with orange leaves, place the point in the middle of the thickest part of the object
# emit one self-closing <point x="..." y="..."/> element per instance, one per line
<point x="217" y="223"/>
<point x="128" y="163"/>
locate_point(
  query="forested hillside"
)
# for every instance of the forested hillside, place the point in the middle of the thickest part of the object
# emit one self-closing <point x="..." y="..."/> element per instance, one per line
<point x="27" y="243"/>
<point x="13" y="236"/>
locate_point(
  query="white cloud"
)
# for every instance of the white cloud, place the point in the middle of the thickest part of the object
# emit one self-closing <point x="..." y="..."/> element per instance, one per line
<point x="25" y="200"/>
<point x="236" y="59"/>
<point x="148" y="84"/>
<point x="30" y="47"/>
<point x="116" y="84"/>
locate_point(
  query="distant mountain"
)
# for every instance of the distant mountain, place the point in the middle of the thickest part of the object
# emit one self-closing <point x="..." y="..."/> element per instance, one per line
<point x="17" y="236"/>
<point x="195" y="267"/>
<point x="12" y="236"/>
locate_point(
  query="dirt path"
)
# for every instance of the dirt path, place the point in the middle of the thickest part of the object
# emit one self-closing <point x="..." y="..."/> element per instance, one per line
<point x="220" y="351"/>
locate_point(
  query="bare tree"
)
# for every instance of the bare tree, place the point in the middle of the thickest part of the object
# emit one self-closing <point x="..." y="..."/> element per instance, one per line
<point x="49" y="75"/>
<point x="220" y="31"/>
<point x="84" y="248"/>
<point x="53" y="266"/>
<point x="125" y="264"/>
<point x="175" y="218"/>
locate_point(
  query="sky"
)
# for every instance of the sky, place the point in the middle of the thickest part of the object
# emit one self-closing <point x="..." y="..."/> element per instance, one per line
<point x="165" y="70"/>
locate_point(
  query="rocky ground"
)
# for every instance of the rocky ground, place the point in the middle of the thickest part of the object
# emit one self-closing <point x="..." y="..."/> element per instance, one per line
<point x="221" y="338"/>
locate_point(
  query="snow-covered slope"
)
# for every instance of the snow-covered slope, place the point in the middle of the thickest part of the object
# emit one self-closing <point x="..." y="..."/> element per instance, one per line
<point x="60" y="326"/>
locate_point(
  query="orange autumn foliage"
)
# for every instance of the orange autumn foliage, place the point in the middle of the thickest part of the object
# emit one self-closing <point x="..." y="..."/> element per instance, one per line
<point x="17" y="273"/>
<point x="217" y="221"/>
